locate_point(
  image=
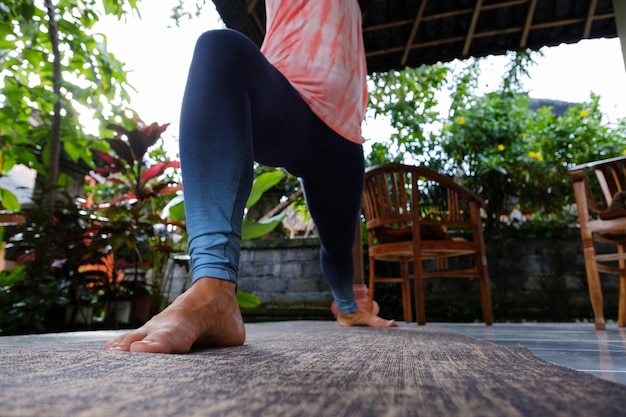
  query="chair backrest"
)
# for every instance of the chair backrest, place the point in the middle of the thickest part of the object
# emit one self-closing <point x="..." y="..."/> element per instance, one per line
<point x="388" y="199"/>
<point x="400" y="196"/>
<point x="602" y="180"/>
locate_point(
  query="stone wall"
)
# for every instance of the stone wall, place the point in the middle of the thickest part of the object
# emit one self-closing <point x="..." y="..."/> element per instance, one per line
<point x="284" y="273"/>
<point x="544" y="280"/>
<point x="531" y="279"/>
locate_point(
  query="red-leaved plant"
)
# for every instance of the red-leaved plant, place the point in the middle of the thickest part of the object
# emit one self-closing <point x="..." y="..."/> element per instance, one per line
<point x="134" y="181"/>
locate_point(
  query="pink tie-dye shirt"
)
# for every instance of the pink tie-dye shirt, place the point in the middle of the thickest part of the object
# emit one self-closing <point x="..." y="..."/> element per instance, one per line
<point x="318" y="46"/>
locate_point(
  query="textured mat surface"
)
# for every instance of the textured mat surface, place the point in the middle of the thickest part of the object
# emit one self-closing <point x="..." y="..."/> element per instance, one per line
<point x="304" y="369"/>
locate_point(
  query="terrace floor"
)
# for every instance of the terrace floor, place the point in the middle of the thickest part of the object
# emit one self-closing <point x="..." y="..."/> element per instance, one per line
<point x="575" y="345"/>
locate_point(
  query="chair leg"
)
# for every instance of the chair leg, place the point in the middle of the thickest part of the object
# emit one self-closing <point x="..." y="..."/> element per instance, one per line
<point x="406" y="292"/>
<point x="485" y="299"/>
<point x="406" y="302"/>
<point x="370" y="293"/>
<point x="418" y="279"/>
<point x="621" y="312"/>
<point x="595" y="290"/>
<point x="485" y="294"/>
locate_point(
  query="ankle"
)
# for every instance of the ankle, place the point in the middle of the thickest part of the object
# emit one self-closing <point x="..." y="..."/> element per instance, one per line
<point x="215" y="285"/>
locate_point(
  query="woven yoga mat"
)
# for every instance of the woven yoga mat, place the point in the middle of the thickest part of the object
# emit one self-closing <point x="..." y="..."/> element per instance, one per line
<point x="303" y="369"/>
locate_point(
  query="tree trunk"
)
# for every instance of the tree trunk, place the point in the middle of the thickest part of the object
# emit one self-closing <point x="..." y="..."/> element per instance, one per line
<point x="55" y="130"/>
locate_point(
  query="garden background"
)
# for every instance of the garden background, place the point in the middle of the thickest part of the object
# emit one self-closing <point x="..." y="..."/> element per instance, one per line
<point x="72" y="108"/>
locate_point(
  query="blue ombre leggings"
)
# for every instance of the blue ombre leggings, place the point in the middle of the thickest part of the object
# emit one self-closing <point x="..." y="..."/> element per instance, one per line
<point x="238" y="109"/>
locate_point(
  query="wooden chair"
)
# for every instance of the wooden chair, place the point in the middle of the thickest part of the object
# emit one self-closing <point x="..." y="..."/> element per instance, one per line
<point x="418" y="217"/>
<point x="600" y="190"/>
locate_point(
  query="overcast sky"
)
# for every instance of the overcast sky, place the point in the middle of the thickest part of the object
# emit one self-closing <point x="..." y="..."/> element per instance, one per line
<point x="158" y="56"/>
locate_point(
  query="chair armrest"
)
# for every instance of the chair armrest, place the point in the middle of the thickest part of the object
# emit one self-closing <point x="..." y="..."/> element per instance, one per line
<point x="610" y="176"/>
<point x="575" y="170"/>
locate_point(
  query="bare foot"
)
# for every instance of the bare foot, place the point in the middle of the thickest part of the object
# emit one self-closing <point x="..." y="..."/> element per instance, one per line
<point x="363" y="318"/>
<point x="207" y="314"/>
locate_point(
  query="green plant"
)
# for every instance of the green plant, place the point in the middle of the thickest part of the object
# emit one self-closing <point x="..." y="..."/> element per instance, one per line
<point x="408" y="99"/>
<point x="487" y="149"/>
<point x="55" y="240"/>
<point x="493" y="143"/>
<point x="253" y="229"/>
<point x="53" y="68"/>
<point x="556" y="143"/>
<point x="23" y="302"/>
<point x="519" y="159"/>
<point x="136" y="180"/>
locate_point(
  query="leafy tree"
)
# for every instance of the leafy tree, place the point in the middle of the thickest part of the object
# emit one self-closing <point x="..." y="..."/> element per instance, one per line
<point x="518" y="158"/>
<point x="481" y="129"/>
<point x="556" y="143"/>
<point x="493" y="143"/>
<point x="53" y="66"/>
<point x="408" y="99"/>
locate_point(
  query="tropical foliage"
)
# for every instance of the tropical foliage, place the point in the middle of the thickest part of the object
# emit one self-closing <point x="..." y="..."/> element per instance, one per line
<point x="495" y="143"/>
<point x="134" y="182"/>
<point x="53" y="67"/>
<point x="48" y="248"/>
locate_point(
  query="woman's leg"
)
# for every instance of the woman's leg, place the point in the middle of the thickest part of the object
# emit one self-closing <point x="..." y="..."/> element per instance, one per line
<point x="216" y="151"/>
<point x="332" y="175"/>
<point x="233" y="94"/>
<point x="331" y="170"/>
<point x="332" y="179"/>
<point x="230" y="85"/>
<point x="237" y="108"/>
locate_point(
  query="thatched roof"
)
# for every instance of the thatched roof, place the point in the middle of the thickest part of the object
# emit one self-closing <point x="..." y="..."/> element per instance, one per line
<point x="400" y="33"/>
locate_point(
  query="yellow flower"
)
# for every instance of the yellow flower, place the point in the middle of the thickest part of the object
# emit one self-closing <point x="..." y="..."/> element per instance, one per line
<point x="460" y="120"/>
<point x="584" y="113"/>
<point x="524" y="134"/>
<point x="500" y="147"/>
<point x="535" y="155"/>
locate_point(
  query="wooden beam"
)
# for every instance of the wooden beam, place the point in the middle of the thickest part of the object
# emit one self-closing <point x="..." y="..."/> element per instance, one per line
<point x="484" y="34"/>
<point x="528" y="28"/>
<point x="527" y="25"/>
<point x="504" y="4"/>
<point x="472" y="28"/>
<point x="438" y="16"/>
<point x="620" y="21"/>
<point x="416" y="24"/>
<point x="8" y="218"/>
<point x="258" y="22"/>
<point x="590" y="13"/>
<point x="406" y="22"/>
<point x="389" y="25"/>
<point x="250" y="5"/>
<point x="415" y="46"/>
<point x="564" y="22"/>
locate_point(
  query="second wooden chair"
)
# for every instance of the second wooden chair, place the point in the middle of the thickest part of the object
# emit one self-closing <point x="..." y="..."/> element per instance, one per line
<point x="427" y="224"/>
